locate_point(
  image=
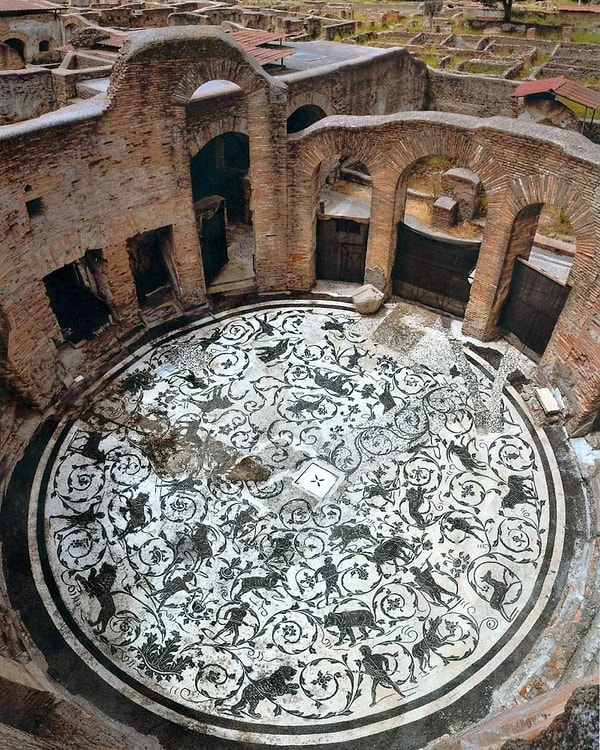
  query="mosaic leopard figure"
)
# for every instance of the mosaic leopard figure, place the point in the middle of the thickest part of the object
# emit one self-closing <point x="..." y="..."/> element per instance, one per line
<point x="276" y="684"/>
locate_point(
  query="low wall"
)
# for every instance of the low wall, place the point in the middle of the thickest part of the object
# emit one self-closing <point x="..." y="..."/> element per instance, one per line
<point x="25" y="94"/>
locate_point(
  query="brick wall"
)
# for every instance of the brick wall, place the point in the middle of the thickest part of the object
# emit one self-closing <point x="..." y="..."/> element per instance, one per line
<point x="25" y="94"/>
<point x="521" y="168"/>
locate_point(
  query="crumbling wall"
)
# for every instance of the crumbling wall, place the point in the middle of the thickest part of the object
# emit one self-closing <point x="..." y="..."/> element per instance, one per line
<point x="470" y="95"/>
<point x="25" y="94"/>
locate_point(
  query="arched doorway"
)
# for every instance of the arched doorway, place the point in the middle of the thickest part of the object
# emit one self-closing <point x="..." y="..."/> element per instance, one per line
<point x="438" y="234"/>
<point x="542" y="249"/>
<point x="343" y="215"/>
<point x="17" y="45"/>
<point x="303" y="117"/>
<point x="221" y="193"/>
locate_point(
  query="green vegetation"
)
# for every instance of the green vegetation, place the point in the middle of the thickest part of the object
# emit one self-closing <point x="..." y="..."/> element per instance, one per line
<point x="586" y="37"/>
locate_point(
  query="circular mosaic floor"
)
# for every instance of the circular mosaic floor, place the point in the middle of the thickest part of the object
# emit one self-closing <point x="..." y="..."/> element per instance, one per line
<point x="268" y="526"/>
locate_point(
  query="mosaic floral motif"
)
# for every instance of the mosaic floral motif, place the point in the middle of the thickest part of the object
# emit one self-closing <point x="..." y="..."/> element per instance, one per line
<point x="271" y="518"/>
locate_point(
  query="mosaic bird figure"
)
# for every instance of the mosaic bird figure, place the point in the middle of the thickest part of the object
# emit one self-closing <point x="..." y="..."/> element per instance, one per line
<point x="270" y="353"/>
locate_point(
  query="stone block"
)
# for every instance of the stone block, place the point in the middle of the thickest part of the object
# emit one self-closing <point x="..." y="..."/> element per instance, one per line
<point x="368" y="299"/>
<point x="547" y="401"/>
<point x="445" y="212"/>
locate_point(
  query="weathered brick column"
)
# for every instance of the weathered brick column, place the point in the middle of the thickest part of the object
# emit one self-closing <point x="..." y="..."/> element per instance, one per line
<point x="381" y="248"/>
<point x="268" y="173"/>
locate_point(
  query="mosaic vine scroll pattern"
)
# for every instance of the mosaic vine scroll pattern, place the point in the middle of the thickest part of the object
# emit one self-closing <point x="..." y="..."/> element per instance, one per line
<point x="270" y="519"/>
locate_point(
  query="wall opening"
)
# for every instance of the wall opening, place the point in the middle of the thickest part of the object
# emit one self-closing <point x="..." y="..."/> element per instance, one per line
<point x="76" y="300"/>
<point x="540" y="255"/>
<point x="343" y="215"/>
<point x="17" y="45"/>
<point x="221" y="192"/>
<point x="44" y="46"/>
<point x="149" y="258"/>
<point x="441" y="210"/>
<point x="35" y="207"/>
<point x="303" y="117"/>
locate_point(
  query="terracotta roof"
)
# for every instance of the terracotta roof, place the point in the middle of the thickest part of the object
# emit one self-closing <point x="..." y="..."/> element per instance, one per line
<point x="580" y="94"/>
<point x="580" y="8"/>
<point x="563" y="87"/>
<point x="26" y="6"/>
<point x="251" y="41"/>
<point x="538" y="87"/>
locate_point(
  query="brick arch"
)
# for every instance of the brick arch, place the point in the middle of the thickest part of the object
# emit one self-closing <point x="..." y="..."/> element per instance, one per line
<point x="310" y="98"/>
<point x="540" y="189"/>
<point x="165" y="67"/>
<point x="198" y="138"/>
<point x="19" y="36"/>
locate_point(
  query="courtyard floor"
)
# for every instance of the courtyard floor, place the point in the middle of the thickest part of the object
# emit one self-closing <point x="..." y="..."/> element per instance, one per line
<point x="289" y="524"/>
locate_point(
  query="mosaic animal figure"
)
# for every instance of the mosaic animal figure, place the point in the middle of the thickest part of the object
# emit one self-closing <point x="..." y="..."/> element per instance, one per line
<point x="466" y="459"/>
<point x="276" y="684"/>
<point x="499" y="592"/>
<point x="271" y="353"/>
<point x="255" y="583"/>
<point x="136" y="507"/>
<point x="303" y="405"/>
<point x="431" y="641"/>
<point x="362" y="619"/>
<point x="174" y="586"/>
<point x="99" y="585"/>
<point x="195" y="548"/>
<point x="86" y="517"/>
<point x="345" y="533"/>
<point x="390" y="550"/>
<point x="518" y="492"/>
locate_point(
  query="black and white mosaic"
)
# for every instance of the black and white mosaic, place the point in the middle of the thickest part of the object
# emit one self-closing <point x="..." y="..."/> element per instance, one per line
<point x="270" y="524"/>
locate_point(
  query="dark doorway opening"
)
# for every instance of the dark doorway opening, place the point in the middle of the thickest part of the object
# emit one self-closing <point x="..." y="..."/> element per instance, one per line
<point x="148" y="256"/>
<point x="221" y="168"/>
<point x="303" y="117"/>
<point x="341" y="249"/>
<point x="212" y="226"/>
<point x="533" y="306"/>
<point x="74" y="298"/>
<point x="17" y="45"/>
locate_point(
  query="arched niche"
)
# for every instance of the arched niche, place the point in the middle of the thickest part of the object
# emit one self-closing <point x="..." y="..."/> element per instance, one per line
<point x="303" y="117"/>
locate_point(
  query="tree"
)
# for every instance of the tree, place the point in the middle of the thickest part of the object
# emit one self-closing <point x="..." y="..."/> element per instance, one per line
<point x="506" y="7"/>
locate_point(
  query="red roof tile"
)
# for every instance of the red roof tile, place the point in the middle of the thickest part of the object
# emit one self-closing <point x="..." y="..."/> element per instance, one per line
<point x="25" y="6"/>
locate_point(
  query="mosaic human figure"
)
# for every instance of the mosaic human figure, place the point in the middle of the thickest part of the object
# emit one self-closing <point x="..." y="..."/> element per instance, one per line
<point x="377" y="667"/>
<point x="235" y="618"/>
<point x="329" y="574"/>
<point x="430" y="587"/>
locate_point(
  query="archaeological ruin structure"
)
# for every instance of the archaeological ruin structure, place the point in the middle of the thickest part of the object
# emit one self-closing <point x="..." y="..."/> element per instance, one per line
<point x="235" y="508"/>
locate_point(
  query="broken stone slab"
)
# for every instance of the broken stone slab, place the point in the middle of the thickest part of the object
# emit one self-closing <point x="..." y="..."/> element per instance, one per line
<point x="547" y="401"/>
<point x="368" y="299"/>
